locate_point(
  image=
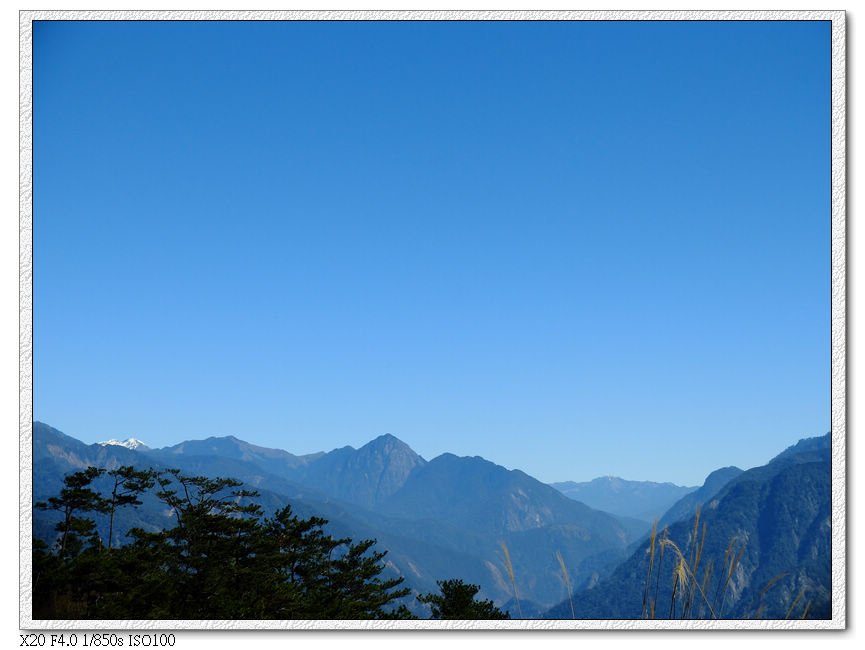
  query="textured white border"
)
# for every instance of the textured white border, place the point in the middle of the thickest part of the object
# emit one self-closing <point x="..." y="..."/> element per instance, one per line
<point x="838" y="315"/>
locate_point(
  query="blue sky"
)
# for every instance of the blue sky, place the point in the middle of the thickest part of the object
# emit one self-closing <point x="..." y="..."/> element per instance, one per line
<point x="575" y="249"/>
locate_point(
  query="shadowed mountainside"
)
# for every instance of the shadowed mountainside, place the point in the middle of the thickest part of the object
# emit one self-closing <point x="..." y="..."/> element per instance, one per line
<point x="767" y="529"/>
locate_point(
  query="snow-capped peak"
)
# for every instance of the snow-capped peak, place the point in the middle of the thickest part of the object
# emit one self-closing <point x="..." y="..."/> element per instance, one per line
<point x="129" y="443"/>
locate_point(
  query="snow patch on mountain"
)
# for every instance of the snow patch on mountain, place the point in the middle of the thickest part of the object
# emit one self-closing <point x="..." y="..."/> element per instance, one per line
<point x="129" y="443"/>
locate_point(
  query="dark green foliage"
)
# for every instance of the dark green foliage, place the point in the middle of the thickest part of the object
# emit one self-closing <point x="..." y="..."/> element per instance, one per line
<point x="222" y="559"/>
<point x="479" y="504"/>
<point x="456" y="601"/>
<point x="77" y="498"/>
<point x="128" y="485"/>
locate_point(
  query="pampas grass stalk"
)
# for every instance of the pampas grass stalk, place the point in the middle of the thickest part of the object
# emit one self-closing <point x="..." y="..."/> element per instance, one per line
<point x="707" y="578"/>
<point x="679" y="577"/>
<point x="794" y="603"/>
<point x="690" y="592"/>
<point x="663" y="545"/>
<point x="510" y="567"/>
<point x="567" y="582"/>
<point x="682" y="569"/>
<point x="722" y="585"/>
<point x="761" y="605"/>
<point x="652" y="536"/>
<point x="734" y="564"/>
<point x="695" y="567"/>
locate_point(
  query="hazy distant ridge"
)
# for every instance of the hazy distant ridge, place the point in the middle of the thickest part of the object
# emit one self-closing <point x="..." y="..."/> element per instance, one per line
<point x="644" y="500"/>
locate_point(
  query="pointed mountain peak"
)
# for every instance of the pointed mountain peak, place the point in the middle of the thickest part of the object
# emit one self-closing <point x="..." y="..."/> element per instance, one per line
<point x="367" y="475"/>
<point x="387" y="443"/>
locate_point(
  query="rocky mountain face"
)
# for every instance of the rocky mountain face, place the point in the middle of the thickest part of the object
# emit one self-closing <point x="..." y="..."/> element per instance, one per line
<point x="766" y="546"/>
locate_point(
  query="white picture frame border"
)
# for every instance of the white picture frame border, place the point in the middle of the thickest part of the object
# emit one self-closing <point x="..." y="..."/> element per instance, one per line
<point x="838" y="316"/>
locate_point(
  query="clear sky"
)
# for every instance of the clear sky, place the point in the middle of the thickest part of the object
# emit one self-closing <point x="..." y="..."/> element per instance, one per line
<point x="576" y="249"/>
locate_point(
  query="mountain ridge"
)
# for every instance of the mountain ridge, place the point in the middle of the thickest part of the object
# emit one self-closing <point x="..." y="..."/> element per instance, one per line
<point x="357" y="490"/>
<point x="447" y="517"/>
<point x="642" y="500"/>
<point x="776" y="518"/>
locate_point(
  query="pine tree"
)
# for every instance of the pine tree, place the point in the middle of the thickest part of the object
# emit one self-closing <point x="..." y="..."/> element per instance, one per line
<point x="221" y="560"/>
<point x="77" y="497"/>
<point x="128" y="486"/>
<point x="456" y="601"/>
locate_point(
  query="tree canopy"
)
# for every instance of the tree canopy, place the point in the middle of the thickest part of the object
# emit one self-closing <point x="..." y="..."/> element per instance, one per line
<point x="456" y="601"/>
<point x="222" y="558"/>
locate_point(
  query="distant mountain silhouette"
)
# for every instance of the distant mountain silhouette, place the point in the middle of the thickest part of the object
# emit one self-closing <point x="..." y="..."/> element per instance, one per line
<point x="276" y="461"/>
<point x="643" y="500"/>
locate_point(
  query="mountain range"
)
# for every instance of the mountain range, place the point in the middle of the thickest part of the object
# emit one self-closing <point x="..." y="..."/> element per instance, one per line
<point x="643" y="500"/>
<point x="448" y="517"/>
<point x="438" y="519"/>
